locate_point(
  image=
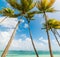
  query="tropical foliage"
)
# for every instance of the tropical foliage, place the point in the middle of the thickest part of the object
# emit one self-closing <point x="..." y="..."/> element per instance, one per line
<point x="24" y="8"/>
<point x="29" y="18"/>
<point x="53" y="25"/>
<point x="46" y="6"/>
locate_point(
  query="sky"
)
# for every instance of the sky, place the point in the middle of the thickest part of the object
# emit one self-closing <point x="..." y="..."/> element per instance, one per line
<point x="22" y="39"/>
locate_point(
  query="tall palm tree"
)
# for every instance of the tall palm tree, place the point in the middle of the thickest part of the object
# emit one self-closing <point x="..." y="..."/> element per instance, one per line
<point x="9" y="13"/>
<point x="29" y="18"/>
<point x="46" y="6"/>
<point x="23" y="7"/>
<point x="10" y="41"/>
<point x="53" y="24"/>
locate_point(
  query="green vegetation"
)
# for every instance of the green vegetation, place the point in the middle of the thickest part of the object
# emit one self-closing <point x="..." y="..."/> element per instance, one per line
<point x="24" y="8"/>
<point x="53" y="25"/>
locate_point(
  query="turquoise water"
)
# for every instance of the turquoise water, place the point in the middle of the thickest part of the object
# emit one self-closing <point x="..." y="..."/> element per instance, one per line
<point x="30" y="54"/>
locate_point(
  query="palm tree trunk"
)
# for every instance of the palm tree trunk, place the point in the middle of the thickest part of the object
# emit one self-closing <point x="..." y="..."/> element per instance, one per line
<point x="32" y="41"/>
<point x="3" y="19"/>
<point x="50" y="49"/>
<point x="10" y="41"/>
<point x="57" y="33"/>
<point x="55" y="37"/>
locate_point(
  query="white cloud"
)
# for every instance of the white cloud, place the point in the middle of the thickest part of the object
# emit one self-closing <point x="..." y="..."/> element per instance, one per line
<point x="21" y="20"/>
<point x="54" y="44"/>
<point x="26" y="43"/>
<point x="5" y="35"/>
<point x="4" y="38"/>
<point x="9" y="22"/>
<point x="43" y="40"/>
<point x="25" y="25"/>
<point x="57" y="4"/>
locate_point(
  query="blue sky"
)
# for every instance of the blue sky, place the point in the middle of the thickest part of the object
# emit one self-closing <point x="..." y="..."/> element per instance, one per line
<point x="22" y="35"/>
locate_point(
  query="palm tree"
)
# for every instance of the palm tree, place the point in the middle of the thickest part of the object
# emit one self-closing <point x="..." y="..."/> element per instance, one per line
<point x="53" y="24"/>
<point x="46" y="6"/>
<point x="10" y="41"/>
<point x="29" y="18"/>
<point x="9" y="13"/>
<point x="24" y="7"/>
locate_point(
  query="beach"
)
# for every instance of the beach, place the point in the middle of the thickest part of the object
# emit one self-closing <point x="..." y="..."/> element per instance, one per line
<point x="29" y="54"/>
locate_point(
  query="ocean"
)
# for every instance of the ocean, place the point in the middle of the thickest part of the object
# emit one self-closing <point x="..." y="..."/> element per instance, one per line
<point x="30" y="54"/>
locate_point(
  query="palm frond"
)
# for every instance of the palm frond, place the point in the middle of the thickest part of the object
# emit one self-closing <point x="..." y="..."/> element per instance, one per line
<point x="32" y="6"/>
<point x="57" y="27"/>
<point x="38" y="5"/>
<point x="51" y="10"/>
<point x="0" y="11"/>
<point x="24" y="3"/>
<point x="51" y="2"/>
<point x="44" y="5"/>
<point x="53" y="23"/>
<point x="15" y="15"/>
<point x="35" y="12"/>
<point x="15" y="4"/>
<point x="7" y="12"/>
<point x="30" y="1"/>
<point x="27" y="5"/>
<point x="46" y="2"/>
<point x="31" y="14"/>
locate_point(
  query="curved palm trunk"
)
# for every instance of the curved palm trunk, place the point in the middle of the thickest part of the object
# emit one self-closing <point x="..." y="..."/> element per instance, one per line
<point x="55" y="37"/>
<point x="10" y="41"/>
<point x="3" y="20"/>
<point x="32" y="41"/>
<point x="50" y="49"/>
